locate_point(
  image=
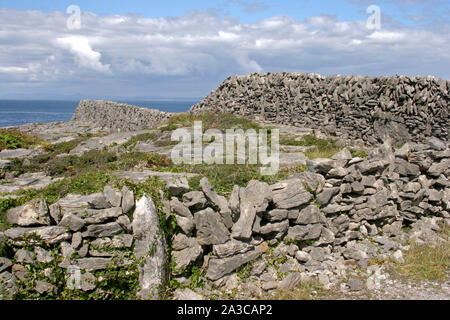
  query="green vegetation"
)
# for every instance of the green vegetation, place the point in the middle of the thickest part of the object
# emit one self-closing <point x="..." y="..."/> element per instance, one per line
<point x="210" y="120"/>
<point x="428" y="262"/>
<point x="15" y="139"/>
<point x="304" y="291"/>
<point x="319" y="148"/>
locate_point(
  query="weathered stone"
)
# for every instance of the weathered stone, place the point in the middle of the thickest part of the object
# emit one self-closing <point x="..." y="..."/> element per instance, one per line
<point x="231" y="248"/>
<point x="55" y="212"/>
<point x="276" y="215"/>
<point x="218" y="202"/>
<point x="77" y="239"/>
<point x="24" y="256"/>
<point x="92" y="264"/>
<point x="335" y="208"/>
<point x="195" y="200"/>
<point x="43" y="255"/>
<point x="234" y="203"/>
<point x="51" y="235"/>
<point x="325" y="196"/>
<point x="187" y="294"/>
<point x="308" y="232"/>
<point x="151" y="245"/>
<point x="127" y="200"/>
<point x="291" y="281"/>
<point x="88" y="281"/>
<point x="124" y="222"/>
<point x="397" y="257"/>
<point x="278" y="229"/>
<point x="43" y="287"/>
<point x="437" y="169"/>
<point x="302" y="256"/>
<point x="5" y="264"/>
<point x="8" y="286"/>
<point x="436" y="144"/>
<point x="290" y="194"/>
<point x="210" y="229"/>
<point x="66" y="250"/>
<point x="177" y="185"/>
<point x="310" y="180"/>
<point x="355" y="284"/>
<point x="311" y="215"/>
<point x="72" y="222"/>
<point x="405" y="169"/>
<point x="33" y="213"/>
<point x="102" y="230"/>
<point x="217" y="268"/>
<point x="337" y="173"/>
<point x="180" y="209"/>
<point x="320" y="165"/>
<point x="371" y="166"/>
<point x="113" y="197"/>
<point x="186" y="224"/>
<point x="98" y="201"/>
<point x="254" y="199"/>
<point x="186" y="256"/>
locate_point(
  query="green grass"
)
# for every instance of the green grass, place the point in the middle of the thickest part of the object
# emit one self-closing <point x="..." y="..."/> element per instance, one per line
<point x="304" y="291"/>
<point x="210" y="120"/>
<point x="15" y="139"/>
<point x="319" y="148"/>
<point x="145" y="137"/>
<point x="428" y="262"/>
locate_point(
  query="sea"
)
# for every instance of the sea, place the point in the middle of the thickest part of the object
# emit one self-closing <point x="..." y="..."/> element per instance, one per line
<point x="19" y="112"/>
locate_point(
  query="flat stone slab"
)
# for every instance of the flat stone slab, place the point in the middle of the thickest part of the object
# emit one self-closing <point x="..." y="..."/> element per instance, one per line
<point x="36" y="180"/>
<point x="141" y="176"/>
<point x="17" y="153"/>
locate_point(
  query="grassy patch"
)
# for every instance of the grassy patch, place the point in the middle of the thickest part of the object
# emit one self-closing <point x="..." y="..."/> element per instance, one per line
<point x="319" y="148"/>
<point x="304" y="291"/>
<point x="358" y="153"/>
<point x="140" y="138"/>
<point x="210" y="120"/>
<point x="15" y="139"/>
<point x="425" y="262"/>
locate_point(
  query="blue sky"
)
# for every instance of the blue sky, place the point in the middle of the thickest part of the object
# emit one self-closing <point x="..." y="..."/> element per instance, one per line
<point x="141" y="49"/>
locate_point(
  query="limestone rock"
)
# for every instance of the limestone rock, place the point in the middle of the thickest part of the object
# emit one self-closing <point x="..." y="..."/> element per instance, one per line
<point x="210" y="229"/>
<point x="33" y="213"/>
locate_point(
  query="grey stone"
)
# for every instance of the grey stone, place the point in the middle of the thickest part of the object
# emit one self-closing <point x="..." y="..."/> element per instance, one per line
<point x="186" y="224"/>
<point x="231" y="248"/>
<point x="102" y="230"/>
<point x="234" y="203"/>
<point x="337" y="173"/>
<point x="88" y="281"/>
<point x="24" y="256"/>
<point x="335" y="208"/>
<point x="124" y="222"/>
<point x="187" y="255"/>
<point x="325" y="196"/>
<point x="187" y="294"/>
<point x="371" y="166"/>
<point x="320" y="165"/>
<point x="195" y="200"/>
<point x="405" y="169"/>
<point x="72" y="222"/>
<point x="217" y="268"/>
<point x="308" y="232"/>
<point x="311" y="215"/>
<point x="93" y="264"/>
<point x="67" y="250"/>
<point x="312" y="181"/>
<point x="43" y="287"/>
<point x="5" y="264"/>
<point x="302" y="256"/>
<point x="177" y="185"/>
<point x="179" y="208"/>
<point x="77" y="239"/>
<point x="210" y="229"/>
<point x="33" y="213"/>
<point x="290" y="194"/>
<point x="8" y="286"/>
<point x="98" y="201"/>
<point x="43" y="255"/>
<point x="290" y="281"/>
<point x="397" y="257"/>
<point x="254" y="199"/>
<point x="55" y="212"/>
<point x="151" y="245"/>
<point x="436" y="144"/>
<point x="51" y="235"/>
<point x="355" y="284"/>
<point x="218" y="202"/>
<point x="276" y="215"/>
<point x="113" y="196"/>
<point x="127" y="200"/>
<point x="277" y="228"/>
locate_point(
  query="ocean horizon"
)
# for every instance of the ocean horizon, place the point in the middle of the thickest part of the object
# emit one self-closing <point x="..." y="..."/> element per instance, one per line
<point x="20" y="112"/>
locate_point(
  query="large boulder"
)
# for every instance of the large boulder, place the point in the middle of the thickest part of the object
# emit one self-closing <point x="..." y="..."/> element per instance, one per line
<point x="150" y="248"/>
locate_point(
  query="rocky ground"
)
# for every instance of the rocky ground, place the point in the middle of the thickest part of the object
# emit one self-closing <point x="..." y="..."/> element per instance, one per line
<point x="342" y="229"/>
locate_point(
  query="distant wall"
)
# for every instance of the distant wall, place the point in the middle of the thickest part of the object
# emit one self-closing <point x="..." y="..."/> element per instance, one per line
<point x="406" y="108"/>
<point x="118" y="116"/>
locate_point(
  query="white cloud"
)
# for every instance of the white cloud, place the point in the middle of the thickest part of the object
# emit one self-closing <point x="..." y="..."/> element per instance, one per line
<point x="142" y="56"/>
<point x="84" y="55"/>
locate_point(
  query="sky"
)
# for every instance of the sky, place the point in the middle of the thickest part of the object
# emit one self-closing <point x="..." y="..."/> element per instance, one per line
<point x="57" y="49"/>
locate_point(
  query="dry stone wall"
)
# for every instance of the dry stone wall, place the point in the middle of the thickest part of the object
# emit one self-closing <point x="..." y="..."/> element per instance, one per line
<point x="115" y="116"/>
<point x="355" y="107"/>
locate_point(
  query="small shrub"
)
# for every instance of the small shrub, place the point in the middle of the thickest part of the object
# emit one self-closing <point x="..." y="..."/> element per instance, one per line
<point x="15" y="139"/>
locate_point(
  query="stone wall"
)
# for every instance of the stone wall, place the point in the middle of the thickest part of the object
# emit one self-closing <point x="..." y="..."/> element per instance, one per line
<point x="117" y="116"/>
<point x="406" y="108"/>
<point x="340" y="209"/>
<point x="341" y="212"/>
